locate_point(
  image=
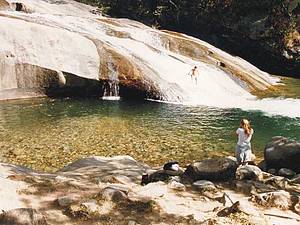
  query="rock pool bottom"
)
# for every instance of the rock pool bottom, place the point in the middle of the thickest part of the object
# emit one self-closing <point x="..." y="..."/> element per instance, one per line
<point x="47" y="134"/>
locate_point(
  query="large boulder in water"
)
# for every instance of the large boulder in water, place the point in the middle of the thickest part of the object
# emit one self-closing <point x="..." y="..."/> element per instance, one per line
<point x="281" y="152"/>
<point x="212" y="169"/>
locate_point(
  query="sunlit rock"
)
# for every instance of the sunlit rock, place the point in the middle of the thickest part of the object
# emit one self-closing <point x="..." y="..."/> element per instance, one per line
<point x="248" y="172"/>
<point x="204" y="185"/>
<point x="279" y="199"/>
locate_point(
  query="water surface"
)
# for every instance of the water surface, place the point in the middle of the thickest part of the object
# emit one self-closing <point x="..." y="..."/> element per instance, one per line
<point x="47" y="134"/>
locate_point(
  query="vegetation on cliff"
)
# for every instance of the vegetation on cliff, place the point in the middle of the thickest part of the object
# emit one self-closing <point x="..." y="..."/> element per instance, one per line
<point x="252" y="29"/>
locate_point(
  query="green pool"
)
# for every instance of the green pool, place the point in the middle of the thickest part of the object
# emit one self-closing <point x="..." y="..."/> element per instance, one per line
<point x="47" y="134"/>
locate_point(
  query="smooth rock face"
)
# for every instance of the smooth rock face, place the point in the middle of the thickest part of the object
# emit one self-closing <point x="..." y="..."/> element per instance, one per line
<point x="248" y="172"/>
<point x="70" y="38"/>
<point x="212" y="169"/>
<point x="281" y="152"/>
<point x="22" y="216"/>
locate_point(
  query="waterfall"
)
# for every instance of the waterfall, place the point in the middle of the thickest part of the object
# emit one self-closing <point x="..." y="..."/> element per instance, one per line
<point x="111" y="86"/>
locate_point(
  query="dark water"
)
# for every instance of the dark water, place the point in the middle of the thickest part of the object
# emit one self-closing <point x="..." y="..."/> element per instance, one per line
<point x="46" y="135"/>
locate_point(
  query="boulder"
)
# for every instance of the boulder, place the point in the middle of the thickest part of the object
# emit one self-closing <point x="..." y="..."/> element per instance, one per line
<point x="215" y="169"/>
<point x="286" y="173"/>
<point x="204" y="185"/>
<point x="22" y="216"/>
<point x="262" y="165"/>
<point x="281" y="152"/>
<point x="66" y="200"/>
<point x="248" y="172"/>
<point x="272" y="171"/>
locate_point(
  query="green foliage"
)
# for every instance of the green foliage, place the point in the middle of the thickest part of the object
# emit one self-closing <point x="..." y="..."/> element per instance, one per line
<point x="267" y="21"/>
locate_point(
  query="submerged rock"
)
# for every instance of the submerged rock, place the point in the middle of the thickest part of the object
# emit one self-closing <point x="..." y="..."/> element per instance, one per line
<point x="214" y="169"/>
<point x="281" y="152"/>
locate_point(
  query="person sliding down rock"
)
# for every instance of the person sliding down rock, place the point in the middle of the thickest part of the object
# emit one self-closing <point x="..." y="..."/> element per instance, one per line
<point x="170" y="169"/>
<point x="194" y="73"/>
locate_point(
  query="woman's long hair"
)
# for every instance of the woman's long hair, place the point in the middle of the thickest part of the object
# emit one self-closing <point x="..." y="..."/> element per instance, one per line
<point x="246" y="125"/>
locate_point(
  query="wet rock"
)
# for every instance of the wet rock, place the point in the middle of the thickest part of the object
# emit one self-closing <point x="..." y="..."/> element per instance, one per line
<point x="281" y="152"/>
<point x="22" y="216"/>
<point x="248" y="172"/>
<point x="215" y="169"/>
<point x="286" y="173"/>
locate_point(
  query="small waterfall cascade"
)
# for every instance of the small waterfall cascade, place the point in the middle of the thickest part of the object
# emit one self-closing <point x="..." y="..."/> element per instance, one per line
<point x="111" y="86"/>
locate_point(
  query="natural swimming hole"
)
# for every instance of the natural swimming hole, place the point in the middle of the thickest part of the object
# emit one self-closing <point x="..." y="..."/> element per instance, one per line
<point x="47" y="134"/>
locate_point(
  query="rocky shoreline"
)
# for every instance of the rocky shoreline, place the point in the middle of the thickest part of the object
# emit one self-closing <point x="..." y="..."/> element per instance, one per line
<point x="108" y="190"/>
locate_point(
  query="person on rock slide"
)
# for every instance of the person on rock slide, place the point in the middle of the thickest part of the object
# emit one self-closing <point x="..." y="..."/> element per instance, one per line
<point x="194" y="73"/>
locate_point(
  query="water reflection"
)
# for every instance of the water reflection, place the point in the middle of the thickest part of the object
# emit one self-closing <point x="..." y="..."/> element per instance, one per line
<point x="46" y="134"/>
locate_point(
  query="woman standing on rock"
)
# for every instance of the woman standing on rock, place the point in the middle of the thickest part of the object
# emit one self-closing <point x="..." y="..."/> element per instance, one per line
<point x="243" y="148"/>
